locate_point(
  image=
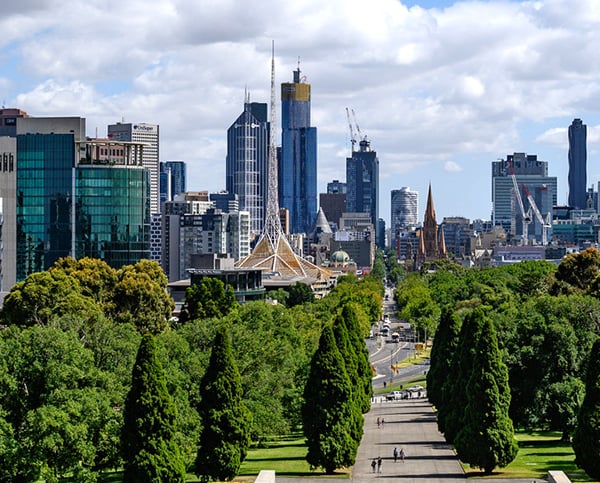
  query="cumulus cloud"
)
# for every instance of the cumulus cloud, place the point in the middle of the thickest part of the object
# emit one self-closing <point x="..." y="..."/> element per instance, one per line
<point x="469" y="82"/>
<point x="452" y="167"/>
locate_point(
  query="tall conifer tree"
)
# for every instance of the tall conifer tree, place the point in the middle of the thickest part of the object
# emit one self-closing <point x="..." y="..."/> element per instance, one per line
<point x="444" y="346"/>
<point x="327" y="409"/>
<point x="148" y="436"/>
<point x="487" y="439"/>
<point x="225" y="436"/>
<point x="586" y="440"/>
<point x="454" y="396"/>
<point x="364" y="374"/>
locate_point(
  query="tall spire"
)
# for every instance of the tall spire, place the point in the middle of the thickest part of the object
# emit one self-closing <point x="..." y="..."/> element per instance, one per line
<point x="273" y="252"/>
<point x="272" y="225"/>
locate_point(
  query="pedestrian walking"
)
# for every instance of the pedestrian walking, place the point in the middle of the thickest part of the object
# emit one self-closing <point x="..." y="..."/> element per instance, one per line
<point x="395" y="454"/>
<point x="378" y="422"/>
<point x="373" y="464"/>
<point x="402" y="455"/>
<point x="379" y="464"/>
<point x="382" y="422"/>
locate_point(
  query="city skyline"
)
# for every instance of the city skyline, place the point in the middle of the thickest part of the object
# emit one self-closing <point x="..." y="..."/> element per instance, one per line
<point x="440" y="92"/>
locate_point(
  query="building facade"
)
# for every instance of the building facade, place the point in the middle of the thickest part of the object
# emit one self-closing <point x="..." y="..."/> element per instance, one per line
<point x="187" y="234"/>
<point x="173" y="180"/>
<point x="149" y="135"/>
<point x="578" y="164"/>
<point x="362" y="182"/>
<point x="297" y="173"/>
<point x="335" y="187"/>
<point x="63" y="194"/>
<point x="531" y="176"/>
<point x="404" y="209"/>
<point x="246" y="162"/>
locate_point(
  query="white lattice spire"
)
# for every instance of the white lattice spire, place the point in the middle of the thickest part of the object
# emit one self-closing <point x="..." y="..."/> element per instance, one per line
<point x="272" y="227"/>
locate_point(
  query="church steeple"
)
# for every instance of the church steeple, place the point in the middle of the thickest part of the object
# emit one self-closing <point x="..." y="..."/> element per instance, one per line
<point x="431" y="247"/>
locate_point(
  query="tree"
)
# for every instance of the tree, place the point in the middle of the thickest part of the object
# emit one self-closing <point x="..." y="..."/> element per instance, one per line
<point x="586" y="440"/>
<point x="206" y="299"/>
<point x="327" y="409"/>
<point x="225" y="436"/>
<point x="577" y="271"/>
<point x="454" y="395"/>
<point x="141" y="298"/>
<point x="148" y="435"/>
<point x="300" y="293"/>
<point x="444" y="346"/>
<point x="364" y="372"/>
<point x="486" y="439"/>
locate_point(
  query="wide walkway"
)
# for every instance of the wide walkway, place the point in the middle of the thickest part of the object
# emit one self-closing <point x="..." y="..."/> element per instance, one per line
<point x="410" y="425"/>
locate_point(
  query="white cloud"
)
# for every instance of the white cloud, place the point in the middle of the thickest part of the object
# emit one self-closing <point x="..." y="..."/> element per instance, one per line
<point x="452" y="167"/>
<point x="472" y="81"/>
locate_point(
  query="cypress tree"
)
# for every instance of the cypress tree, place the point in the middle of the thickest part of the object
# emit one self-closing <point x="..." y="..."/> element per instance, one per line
<point x="586" y="440"/>
<point x="327" y="409"/>
<point x="364" y="373"/>
<point x="226" y="422"/>
<point x="148" y="436"/>
<point x="350" y="360"/>
<point x="444" y="346"/>
<point x="486" y="439"/>
<point x="454" y="395"/>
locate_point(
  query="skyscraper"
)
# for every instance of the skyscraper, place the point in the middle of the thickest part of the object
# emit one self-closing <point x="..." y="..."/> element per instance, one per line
<point x="172" y="180"/>
<point x="362" y="182"/>
<point x="530" y="173"/>
<point x="148" y="134"/>
<point x="246" y="163"/>
<point x="577" y="164"/>
<point x="66" y="195"/>
<point x="298" y="163"/>
<point x="404" y="206"/>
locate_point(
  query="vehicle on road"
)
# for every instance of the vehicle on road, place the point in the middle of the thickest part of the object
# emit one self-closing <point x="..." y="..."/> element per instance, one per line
<point x="396" y="396"/>
<point x="415" y="388"/>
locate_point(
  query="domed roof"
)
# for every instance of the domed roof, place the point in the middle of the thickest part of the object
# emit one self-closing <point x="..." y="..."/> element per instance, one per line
<point x="340" y="256"/>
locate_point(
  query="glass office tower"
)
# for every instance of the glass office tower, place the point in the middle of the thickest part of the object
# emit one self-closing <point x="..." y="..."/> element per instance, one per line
<point x="44" y="193"/>
<point x="362" y="182"/>
<point x="72" y="196"/>
<point x="246" y="173"/>
<point x="577" y="165"/>
<point x="113" y="214"/>
<point x="298" y="161"/>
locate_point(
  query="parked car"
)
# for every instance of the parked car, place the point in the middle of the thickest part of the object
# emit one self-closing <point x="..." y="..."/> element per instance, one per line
<point x="396" y="396"/>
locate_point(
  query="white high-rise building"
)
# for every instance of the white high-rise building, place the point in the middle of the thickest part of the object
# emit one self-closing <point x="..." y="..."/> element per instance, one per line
<point x="405" y="209"/>
<point x="143" y="133"/>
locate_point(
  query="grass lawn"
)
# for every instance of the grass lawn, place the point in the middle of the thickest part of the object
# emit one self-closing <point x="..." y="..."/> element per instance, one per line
<point x="539" y="452"/>
<point x="286" y="457"/>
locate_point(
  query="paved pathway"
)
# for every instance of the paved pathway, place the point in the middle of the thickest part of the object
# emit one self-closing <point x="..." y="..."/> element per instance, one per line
<point x="409" y="424"/>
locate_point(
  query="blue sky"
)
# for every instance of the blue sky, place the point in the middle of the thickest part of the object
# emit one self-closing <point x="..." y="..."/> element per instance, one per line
<point x="441" y="88"/>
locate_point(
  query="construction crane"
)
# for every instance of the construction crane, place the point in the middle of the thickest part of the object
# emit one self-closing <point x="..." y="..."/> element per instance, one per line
<point x="545" y="223"/>
<point x="360" y="136"/>
<point x="352" y="136"/>
<point x="525" y="215"/>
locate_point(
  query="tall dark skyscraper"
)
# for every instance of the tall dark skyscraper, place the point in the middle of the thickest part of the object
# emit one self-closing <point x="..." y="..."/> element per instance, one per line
<point x="246" y="165"/>
<point x="362" y="182"/>
<point x="172" y="180"/>
<point x="298" y="162"/>
<point x="577" y="164"/>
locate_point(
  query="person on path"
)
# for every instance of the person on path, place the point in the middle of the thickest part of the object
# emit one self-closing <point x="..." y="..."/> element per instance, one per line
<point x="373" y="464"/>
<point x="382" y="422"/>
<point x="378" y="422"/>
<point x="395" y="454"/>
<point x="402" y="455"/>
<point x="379" y="465"/>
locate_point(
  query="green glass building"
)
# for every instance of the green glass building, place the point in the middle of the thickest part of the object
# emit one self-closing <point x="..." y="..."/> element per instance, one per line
<point x="68" y="195"/>
<point x="113" y="222"/>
